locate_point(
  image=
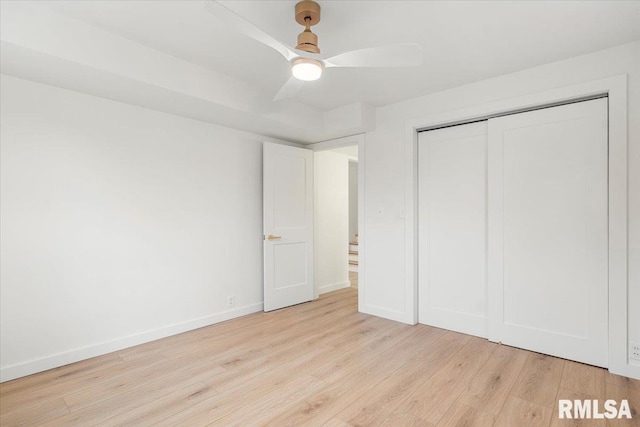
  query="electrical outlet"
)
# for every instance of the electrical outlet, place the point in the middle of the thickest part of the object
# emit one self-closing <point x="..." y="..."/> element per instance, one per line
<point x="634" y="351"/>
<point x="231" y="301"/>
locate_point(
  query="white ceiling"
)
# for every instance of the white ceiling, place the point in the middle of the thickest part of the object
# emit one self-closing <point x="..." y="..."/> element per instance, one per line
<point x="176" y="57"/>
<point x="463" y="41"/>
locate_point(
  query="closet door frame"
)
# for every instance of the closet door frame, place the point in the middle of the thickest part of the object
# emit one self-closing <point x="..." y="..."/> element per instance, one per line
<point x="615" y="88"/>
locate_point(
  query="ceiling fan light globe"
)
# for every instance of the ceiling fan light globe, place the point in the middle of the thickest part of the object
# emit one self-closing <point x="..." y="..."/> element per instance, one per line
<point x="306" y="69"/>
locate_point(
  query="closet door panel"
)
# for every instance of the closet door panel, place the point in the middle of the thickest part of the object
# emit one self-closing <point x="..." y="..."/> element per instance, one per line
<point x="547" y="239"/>
<point x="452" y="228"/>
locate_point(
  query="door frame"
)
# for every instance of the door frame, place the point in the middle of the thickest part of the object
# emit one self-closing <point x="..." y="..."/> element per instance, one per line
<point x="615" y="88"/>
<point x="346" y="142"/>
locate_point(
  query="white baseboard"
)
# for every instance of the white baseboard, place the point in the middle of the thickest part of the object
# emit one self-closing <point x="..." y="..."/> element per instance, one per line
<point x="632" y="371"/>
<point x="64" y="358"/>
<point x="334" y="287"/>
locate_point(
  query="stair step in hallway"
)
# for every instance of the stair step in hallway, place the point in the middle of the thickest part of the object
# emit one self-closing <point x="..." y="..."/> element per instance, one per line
<point x="353" y="254"/>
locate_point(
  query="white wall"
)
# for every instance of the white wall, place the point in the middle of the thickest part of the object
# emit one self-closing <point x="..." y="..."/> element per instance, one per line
<point x="331" y="220"/>
<point x="385" y="167"/>
<point x="119" y="225"/>
<point x="353" y="200"/>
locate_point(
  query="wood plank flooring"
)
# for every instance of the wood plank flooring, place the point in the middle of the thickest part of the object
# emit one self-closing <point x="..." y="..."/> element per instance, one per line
<point x="319" y="364"/>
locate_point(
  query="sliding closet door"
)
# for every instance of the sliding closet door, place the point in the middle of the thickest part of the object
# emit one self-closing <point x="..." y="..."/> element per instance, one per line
<point x="452" y="173"/>
<point x="547" y="234"/>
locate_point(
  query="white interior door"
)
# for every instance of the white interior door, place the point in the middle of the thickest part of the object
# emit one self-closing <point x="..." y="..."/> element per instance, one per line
<point x="547" y="234"/>
<point x="452" y="174"/>
<point x="288" y="225"/>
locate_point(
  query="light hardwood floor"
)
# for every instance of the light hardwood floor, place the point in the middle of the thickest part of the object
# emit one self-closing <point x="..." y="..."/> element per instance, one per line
<point x="320" y="363"/>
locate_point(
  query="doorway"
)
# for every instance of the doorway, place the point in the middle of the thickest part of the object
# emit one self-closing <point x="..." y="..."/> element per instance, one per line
<point x="336" y="257"/>
<point x="306" y="221"/>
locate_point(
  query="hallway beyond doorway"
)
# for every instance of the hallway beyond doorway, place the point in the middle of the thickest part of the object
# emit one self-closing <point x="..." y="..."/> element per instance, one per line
<point x="353" y="279"/>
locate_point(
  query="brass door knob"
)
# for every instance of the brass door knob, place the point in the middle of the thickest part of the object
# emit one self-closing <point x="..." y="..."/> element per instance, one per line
<point x="272" y="237"/>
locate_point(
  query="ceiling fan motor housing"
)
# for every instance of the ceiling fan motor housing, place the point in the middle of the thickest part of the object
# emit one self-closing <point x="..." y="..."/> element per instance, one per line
<point x="308" y="14"/>
<point x="308" y="42"/>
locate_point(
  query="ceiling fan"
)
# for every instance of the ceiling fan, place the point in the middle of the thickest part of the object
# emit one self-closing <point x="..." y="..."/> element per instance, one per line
<point x="306" y="62"/>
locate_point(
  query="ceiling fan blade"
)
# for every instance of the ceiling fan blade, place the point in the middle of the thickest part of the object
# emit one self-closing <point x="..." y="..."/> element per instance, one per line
<point x="231" y="18"/>
<point x="289" y="90"/>
<point x="395" y="55"/>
